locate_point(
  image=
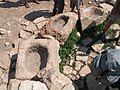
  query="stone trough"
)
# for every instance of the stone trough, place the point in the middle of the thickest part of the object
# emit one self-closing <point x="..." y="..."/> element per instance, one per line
<point x="60" y="26"/>
<point x="35" y="55"/>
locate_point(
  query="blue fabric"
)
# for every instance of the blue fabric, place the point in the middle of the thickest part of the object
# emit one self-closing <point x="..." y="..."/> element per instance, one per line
<point x="110" y="60"/>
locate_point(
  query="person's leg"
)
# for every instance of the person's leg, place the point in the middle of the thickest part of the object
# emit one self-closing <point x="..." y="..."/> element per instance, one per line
<point x="35" y="1"/>
<point x="55" y="9"/>
<point x="60" y="6"/>
<point x="26" y="4"/>
<point x="72" y="5"/>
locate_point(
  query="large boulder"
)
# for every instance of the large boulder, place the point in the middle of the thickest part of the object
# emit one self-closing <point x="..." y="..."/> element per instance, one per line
<point x="35" y="55"/>
<point x="60" y="26"/>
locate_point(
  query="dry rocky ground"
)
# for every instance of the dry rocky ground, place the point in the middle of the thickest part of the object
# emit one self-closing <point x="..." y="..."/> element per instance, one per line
<point x="13" y="13"/>
<point x="13" y="17"/>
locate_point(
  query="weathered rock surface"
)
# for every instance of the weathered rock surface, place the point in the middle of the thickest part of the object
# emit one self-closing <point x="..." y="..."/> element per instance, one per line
<point x="60" y="26"/>
<point x="4" y="60"/>
<point x="32" y="85"/>
<point x="26" y="85"/>
<point x="36" y="54"/>
<point x="55" y="80"/>
<point x="106" y="7"/>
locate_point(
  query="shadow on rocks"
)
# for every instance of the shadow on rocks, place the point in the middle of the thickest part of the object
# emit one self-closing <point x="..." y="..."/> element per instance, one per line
<point x="35" y="14"/>
<point x="12" y="69"/>
<point x="9" y="4"/>
<point x="81" y="83"/>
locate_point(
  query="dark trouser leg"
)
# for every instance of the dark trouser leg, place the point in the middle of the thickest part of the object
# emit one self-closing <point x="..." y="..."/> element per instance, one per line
<point x="35" y="1"/>
<point x="26" y="4"/>
<point x="55" y="9"/>
<point x="72" y="5"/>
<point x="60" y="6"/>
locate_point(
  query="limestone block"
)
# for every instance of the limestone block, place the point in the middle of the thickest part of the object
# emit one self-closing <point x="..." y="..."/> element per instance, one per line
<point x="54" y="79"/>
<point x="29" y="26"/>
<point x="91" y="17"/>
<point x="4" y="60"/>
<point x="78" y="65"/>
<point x="106" y="7"/>
<point x="67" y="69"/>
<point x="84" y="71"/>
<point x="98" y="47"/>
<point x="35" y="55"/>
<point x="24" y="34"/>
<point x="60" y="26"/>
<point x="40" y="19"/>
<point x="32" y="85"/>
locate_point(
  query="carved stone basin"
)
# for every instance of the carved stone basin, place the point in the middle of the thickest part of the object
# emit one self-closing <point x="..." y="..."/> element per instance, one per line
<point x="35" y="55"/>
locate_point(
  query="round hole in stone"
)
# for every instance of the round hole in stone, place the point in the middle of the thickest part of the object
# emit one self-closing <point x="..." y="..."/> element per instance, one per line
<point x="36" y="58"/>
<point x="60" y="21"/>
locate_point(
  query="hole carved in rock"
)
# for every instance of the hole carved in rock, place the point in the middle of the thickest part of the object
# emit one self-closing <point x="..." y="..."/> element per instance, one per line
<point x="36" y="58"/>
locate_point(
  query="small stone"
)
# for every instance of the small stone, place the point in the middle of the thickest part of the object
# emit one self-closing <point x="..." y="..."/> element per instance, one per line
<point x="78" y="34"/>
<point x="98" y="47"/>
<point x="78" y="65"/>
<point x="31" y="27"/>
<point x="92" y="54"/>
<point x="82" y="58"/>
<point x="48" y="37"/>
<point x="85" y="70"/>
<point x="106" y="7"/>
<point x="24" y="34"/>
<point x="115" y="27"/>
<point x="2" y="31"/>
<point x="7" y="44"/>
<point x="69" y="87"/>
<point x="74" y="72"/>
<point x="67" y="69"/>
<point x="90" y="2"/>
<point x="40" y="19"/>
